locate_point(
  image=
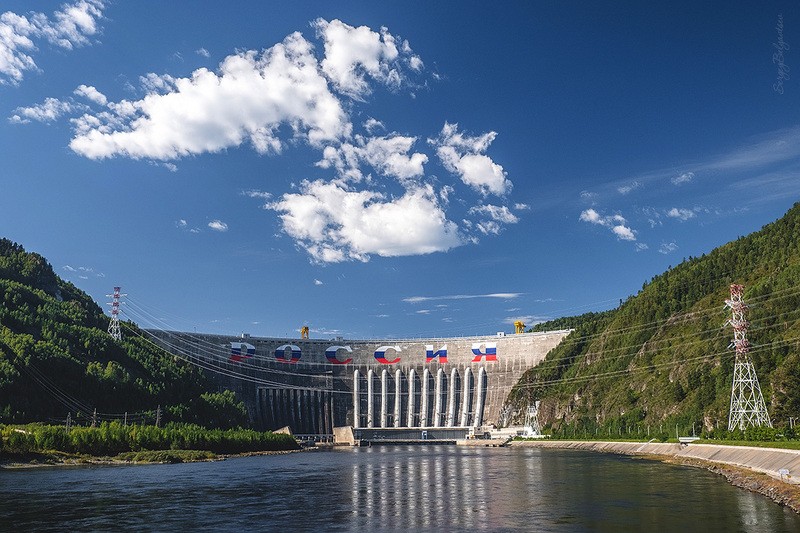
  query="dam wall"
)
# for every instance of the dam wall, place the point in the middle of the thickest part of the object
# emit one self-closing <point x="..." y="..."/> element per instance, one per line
<point x="314" y="385"/>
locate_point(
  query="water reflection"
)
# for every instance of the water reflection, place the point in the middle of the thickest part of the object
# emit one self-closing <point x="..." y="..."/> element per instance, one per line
<point x="391" y="488"/>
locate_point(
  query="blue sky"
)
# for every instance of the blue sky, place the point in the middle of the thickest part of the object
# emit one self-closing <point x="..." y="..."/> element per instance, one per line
<point x="386" y="169"/>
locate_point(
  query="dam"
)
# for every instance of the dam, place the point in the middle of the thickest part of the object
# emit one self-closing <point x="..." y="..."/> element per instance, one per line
<point x="433" y="385"/>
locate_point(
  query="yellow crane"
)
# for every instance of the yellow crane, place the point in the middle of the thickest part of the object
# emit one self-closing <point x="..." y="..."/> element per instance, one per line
<point x="519" y="326"/>
<point x="304" y="332"/>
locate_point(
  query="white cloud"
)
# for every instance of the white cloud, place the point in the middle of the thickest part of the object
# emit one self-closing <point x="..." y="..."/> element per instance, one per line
<point x="334" y="223"/>
<point x="522" y="207"/>
<point x="681" y="214"/>
<point x="668" y="247"/>
<point x="625" y="189"/>
<point x="588" y="196"/>
<point x="317" y="282"/>
<point x="69" y="27"/>
<point x="218" y="225"/>
<point x="616" y="223"/>
<point x="623" y="233"/>
<point x="423" y="311"/>
<point x="202" y="52"/>
<point x="372" y="125"/>
<point x="91" y="94"/>
<point x="463" y="155"/>
<point x="181" y="223"/>
<point x="497" y="216"/>
<point x="641" y="247"/>
<point x="389" y="155"/>
<point x="499" y="295"/>
<point x="68" y="268"/>
<point x="247" y="100"/>
<point x="352" y="53"/>
<point x="686" y="177"/>
<point x="590" y="215"/>
<point x="255" y="193"/>
<point x="48" y="111"/>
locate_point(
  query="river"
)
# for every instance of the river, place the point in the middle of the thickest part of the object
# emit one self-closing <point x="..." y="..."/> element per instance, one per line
<point x="389" y="488"/>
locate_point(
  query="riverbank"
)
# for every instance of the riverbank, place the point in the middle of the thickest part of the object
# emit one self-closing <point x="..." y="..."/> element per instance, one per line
<point x="761" y="470"/>
<point x="56" y="458"/>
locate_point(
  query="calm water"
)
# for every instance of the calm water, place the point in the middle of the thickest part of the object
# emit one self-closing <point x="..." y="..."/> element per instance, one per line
<point x="387" y="488"/>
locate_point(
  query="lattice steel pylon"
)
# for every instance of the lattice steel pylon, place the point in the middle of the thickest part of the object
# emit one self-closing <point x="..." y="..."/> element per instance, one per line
<point x="113" y="326"/>
<point x="531" y="427"/>
<point x="747" y="404"/>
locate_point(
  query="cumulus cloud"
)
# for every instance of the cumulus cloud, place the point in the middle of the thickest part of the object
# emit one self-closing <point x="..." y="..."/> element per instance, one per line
<point x="247" y="100"/>
<point x="69" y="27"/>
<point x="291" y="94"/>
<point x="623" y="233"/>
<point x="218" y="225"/>
<point x="48" y="111"/>
<point x="616" y="223"/>
<point x="681" y="214"/>
<point x="335" y="223"/>
<point x="92" y="94"/>
<point x="352" y="53"/>
<point x="372" y="125"/>
<point x="463" y="155"/>
<point x="493" y="218"/>
<point x="388" y="155"/>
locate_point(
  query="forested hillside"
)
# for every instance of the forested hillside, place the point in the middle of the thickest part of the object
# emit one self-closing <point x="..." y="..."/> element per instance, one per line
<point x="56" y="358"/>
<point x="662" y="357"/>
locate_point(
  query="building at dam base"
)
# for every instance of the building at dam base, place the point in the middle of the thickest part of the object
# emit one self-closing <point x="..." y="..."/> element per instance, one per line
<point x="314" y="385"/>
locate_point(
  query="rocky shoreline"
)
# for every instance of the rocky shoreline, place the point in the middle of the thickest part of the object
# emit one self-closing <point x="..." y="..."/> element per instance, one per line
<point x="778" y="491"/>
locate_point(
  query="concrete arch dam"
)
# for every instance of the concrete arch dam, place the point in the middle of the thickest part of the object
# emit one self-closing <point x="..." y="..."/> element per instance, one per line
<point x="315" y="385"/>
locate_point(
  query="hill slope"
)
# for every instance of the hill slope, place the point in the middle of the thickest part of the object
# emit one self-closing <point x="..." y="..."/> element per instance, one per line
<point x="662" y="357"/>
<point x="56" y="357"/>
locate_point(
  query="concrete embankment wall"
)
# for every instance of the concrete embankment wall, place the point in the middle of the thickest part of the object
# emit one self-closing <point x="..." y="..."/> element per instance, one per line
<point x="766" y="460"/>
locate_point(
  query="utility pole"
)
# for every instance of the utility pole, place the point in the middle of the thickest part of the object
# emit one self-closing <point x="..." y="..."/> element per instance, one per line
<point x="747" y="404"/>
<point x="94" y="418"/>
<point x="69" y="421"/>
<point x="113" y="326"/>
<point x="158" y="417"/>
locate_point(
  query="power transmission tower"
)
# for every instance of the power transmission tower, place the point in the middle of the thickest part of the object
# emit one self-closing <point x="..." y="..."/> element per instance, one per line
<point x="113" y="326"/>
<point x="747" y="404"/>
